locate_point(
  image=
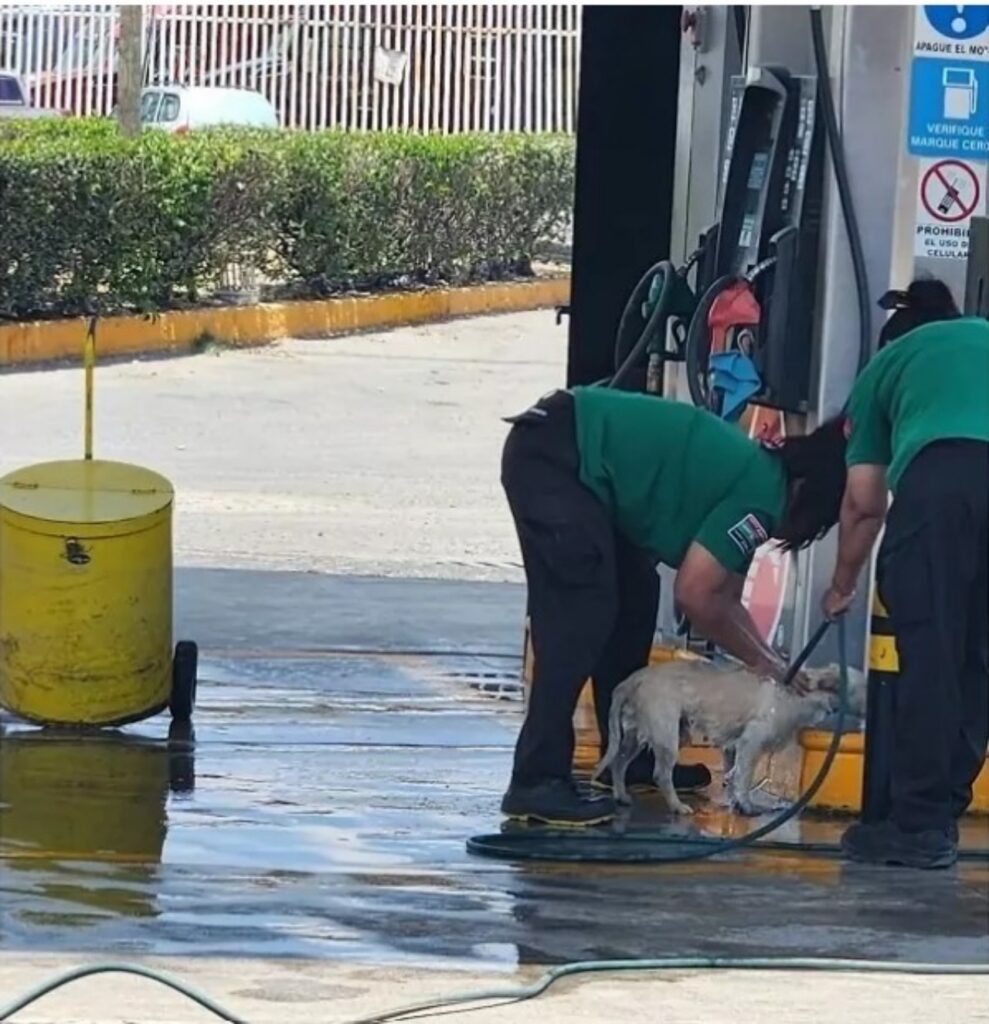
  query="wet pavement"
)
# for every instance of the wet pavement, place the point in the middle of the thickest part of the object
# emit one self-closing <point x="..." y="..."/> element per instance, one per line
<point x="350" y="735"/>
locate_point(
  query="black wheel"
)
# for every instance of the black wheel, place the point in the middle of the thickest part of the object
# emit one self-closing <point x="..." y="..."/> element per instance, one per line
<point x="184" y="667"/>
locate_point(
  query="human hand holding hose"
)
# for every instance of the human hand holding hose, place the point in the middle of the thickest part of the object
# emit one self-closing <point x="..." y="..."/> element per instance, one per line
<point x="836" y="601"/>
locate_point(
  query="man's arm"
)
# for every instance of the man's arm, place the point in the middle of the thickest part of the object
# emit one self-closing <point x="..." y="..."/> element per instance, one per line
<point x="710" y="596"/>
<point x="863" y="509"/>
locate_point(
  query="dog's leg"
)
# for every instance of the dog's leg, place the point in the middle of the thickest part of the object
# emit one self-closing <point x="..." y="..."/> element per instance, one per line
<point x="728" y="774"/>
<point x="627" y="753"/>
<point x="665" y="747"/>
<point x="663" y="777"/>
<point x="751" y="745"/>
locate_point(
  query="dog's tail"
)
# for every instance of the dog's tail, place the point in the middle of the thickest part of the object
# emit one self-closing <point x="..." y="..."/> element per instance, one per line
<point x="614" y="731"/>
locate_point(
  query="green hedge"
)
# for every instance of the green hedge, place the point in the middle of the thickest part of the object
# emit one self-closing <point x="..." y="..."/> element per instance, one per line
<point x="92" y="222"/>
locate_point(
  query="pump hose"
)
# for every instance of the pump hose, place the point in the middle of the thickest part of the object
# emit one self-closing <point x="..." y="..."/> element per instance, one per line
<point x="837" y="149"/>
<point x="627" y="356"/>
<point x="698" y="341"/>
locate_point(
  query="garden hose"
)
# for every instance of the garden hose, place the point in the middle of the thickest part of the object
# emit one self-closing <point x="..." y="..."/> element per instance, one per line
<point x="645" y="847"/>
<point x="507" y="996"/>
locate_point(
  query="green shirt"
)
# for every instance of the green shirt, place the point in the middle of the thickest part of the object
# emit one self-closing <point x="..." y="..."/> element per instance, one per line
<point x="930" y="385"/>
<point x="672" y="474"/>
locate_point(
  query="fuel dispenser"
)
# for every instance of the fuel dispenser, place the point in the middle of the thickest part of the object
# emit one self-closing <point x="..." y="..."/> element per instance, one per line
<point x="743" y="328"/>
<point x="739" y="313"/>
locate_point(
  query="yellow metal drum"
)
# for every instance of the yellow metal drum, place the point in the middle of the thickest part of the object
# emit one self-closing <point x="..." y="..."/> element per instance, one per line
<point x="85" y="593"/>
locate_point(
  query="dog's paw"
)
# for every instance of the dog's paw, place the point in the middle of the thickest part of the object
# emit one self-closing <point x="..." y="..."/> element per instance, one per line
<point x="681" y="808"/>
<point x="753" y="807"/>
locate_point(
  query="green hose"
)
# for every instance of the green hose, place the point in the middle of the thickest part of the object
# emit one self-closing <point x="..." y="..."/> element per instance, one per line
<point x="546" y="844"/>
<point x="77" y="973"/>
<point x="521" y="993"/>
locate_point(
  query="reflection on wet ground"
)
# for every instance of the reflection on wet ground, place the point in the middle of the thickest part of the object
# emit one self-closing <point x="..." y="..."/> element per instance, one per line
<point x="321" y="808"/>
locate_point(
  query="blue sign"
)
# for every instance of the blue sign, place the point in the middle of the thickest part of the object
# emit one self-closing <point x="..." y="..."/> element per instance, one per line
<point x="949" y="108"/>
<point x="959" y="22"/>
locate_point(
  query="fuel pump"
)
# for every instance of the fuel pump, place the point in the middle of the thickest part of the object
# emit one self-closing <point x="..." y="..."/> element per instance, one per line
<point x="750" y="336"/>
<point x="744" y="328"/>
<point x="754" y="268"/>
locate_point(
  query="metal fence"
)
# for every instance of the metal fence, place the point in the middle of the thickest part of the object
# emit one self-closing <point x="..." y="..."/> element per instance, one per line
<point x="414" y="67"/>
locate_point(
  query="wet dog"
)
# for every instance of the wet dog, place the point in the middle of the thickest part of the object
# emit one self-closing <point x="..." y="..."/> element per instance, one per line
<point x="734" y="709"/>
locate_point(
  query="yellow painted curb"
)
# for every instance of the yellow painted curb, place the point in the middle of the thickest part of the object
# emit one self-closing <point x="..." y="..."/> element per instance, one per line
<point x="44" y="341"/>
<point x="842" y="787"/>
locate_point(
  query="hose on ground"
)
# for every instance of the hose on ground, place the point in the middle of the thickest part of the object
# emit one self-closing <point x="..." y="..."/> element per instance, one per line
<point x="521" y="993"/>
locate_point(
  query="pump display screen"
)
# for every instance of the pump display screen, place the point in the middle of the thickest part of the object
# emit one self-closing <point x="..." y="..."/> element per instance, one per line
<point x="754" y="187"/>
<point x="757" y="172"/>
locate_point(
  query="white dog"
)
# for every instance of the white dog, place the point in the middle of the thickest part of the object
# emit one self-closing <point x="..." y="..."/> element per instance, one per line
<point x="736" y="710"/>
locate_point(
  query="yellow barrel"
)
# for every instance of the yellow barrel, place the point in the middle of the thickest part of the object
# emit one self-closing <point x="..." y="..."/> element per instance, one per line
<point x="85" y="593"/>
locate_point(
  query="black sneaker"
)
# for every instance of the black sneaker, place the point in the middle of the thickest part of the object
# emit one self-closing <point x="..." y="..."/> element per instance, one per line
<point x="556" y="802"/>
<point x="886" y="843"/>
<point x="687" y="778"/>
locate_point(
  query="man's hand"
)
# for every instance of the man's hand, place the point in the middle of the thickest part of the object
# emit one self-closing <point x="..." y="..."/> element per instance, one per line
<point x="836" y="602"/>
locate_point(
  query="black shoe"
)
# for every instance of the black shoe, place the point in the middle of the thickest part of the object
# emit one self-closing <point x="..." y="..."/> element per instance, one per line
<point x="886" y="843"/>
<point x="687" y="778"/>
<point x="556" y="802"/>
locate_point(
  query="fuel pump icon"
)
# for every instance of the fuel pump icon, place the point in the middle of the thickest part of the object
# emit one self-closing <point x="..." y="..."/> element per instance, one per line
<point x="961" y="94"/>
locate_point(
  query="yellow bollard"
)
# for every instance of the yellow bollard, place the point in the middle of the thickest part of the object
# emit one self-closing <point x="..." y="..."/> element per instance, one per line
<point x="851" y="775"/>
<point x="85" y="593"/>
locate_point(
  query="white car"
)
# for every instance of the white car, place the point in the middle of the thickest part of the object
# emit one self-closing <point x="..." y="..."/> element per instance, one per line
<point x="13" y="99"/>
<point x="182" y="109"/>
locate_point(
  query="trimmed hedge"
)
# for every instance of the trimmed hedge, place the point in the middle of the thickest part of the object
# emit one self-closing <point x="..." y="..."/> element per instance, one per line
<point x="93" y="222"/>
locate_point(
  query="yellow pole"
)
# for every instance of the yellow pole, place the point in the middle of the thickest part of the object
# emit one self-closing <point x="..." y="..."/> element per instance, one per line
<point x="89" y="361"/>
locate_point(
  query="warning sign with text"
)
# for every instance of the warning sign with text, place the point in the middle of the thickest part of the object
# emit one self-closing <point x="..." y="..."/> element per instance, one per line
<point x="952" y="31"/>
<point x="949" y="194"/>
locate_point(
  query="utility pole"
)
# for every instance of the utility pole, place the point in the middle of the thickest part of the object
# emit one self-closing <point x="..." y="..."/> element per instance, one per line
<point x="130" y="68"/>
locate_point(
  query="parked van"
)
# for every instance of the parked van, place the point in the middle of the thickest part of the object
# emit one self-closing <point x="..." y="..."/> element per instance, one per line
<point x="181" y="109"/>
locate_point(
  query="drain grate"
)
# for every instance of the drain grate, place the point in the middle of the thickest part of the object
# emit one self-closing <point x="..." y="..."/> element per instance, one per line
<point x="500" y="685"/>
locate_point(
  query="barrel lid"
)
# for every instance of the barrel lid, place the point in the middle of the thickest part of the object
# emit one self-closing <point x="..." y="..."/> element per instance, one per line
<point x="79" y="491"/>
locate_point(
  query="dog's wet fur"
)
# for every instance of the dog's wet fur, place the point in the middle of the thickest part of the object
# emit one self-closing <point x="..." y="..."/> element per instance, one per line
<point x="744" y="715"/>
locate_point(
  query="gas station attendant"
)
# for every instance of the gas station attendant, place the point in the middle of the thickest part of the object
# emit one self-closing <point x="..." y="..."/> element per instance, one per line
<point x="603" y="485"/>
<point x="918" y="425"/>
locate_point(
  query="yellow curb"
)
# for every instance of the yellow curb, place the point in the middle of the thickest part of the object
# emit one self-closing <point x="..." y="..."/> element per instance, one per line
<point x="45" y="341"/>
<point x="842" y="787"/>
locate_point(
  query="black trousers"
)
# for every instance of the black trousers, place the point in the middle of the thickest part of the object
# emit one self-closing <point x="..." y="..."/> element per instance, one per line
<point x="593" y="596"/>
<point x="933" y="577"/>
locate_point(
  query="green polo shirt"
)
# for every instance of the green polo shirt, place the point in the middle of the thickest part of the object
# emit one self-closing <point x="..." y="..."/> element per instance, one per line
<point x="672" y="474"/>
<point x="930" y="385"/>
